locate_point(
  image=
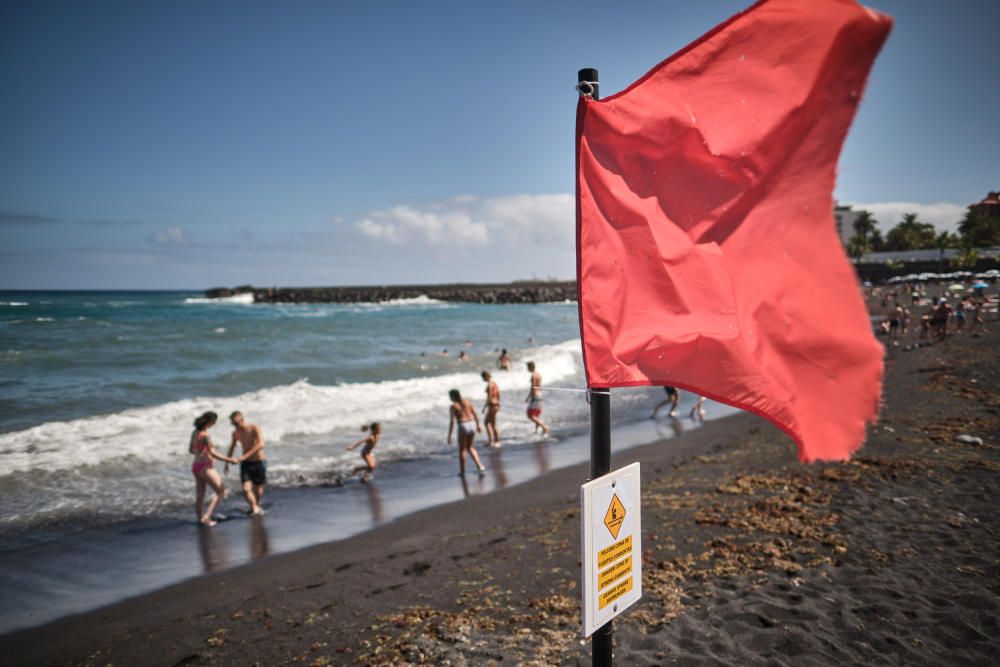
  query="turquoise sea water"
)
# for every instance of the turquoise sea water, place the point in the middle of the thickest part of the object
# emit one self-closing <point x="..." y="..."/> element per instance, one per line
<point x="98" y="390"/>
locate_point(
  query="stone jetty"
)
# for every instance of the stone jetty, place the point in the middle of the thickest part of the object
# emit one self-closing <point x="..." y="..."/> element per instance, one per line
<point x="517" y="292"/>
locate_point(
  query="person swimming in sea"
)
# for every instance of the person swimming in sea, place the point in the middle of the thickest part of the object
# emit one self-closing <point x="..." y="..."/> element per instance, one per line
<point x="204" y="473"/>
<point x="375" y="432"/>
<point x="463" y="413"/>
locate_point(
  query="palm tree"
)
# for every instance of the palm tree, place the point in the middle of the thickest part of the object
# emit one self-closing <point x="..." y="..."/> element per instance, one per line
<point x="864" y="225"/>
<point x="979" y="231"/>
<point x="911" y="234"/>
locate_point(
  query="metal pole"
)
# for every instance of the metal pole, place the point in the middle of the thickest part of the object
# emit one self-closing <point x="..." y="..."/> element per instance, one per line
<point x="600" y="464"/>
<point x="600" y="422"/>
<point x="600" y="431"/>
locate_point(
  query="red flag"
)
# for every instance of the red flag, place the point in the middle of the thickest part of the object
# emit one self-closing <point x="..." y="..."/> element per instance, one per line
<point x="707" y="253"/>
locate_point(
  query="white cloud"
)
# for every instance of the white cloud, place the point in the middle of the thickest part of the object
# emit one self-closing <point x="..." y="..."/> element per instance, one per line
<point x="169" y="236"/>
<point x="407" y="224"/>
<point x="468" y="220"/>
<point x="943" y="215"/>
<point x="541" y="219"/>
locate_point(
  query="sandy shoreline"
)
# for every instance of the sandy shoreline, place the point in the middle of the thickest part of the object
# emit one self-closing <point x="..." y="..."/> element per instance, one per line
<point x="127" y="558"/>
<point x="749" y="558"/>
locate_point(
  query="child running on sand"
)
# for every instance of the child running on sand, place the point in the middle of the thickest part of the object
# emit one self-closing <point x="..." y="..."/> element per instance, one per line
<point x="375" y="430"/>
<point x="202" y="469"/>
<point x="464" y="414"/>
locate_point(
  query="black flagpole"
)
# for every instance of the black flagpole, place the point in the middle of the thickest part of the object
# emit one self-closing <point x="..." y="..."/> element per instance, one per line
<point x="600" y="422"/>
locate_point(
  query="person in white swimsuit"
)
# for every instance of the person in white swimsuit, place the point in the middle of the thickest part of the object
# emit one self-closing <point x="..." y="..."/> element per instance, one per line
<point x="464" y="415"/>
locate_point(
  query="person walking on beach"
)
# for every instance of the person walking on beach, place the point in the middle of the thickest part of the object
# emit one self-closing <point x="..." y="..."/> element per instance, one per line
<point x="939" y="318"/>
<point x="204" y="473"/>
<point x="673" y="398"/>
<point x="464" y="414"/>
<point x="490" y="410"/>
<point x="960" y="311"/>
<point x="503" y="361"/>
<point x="977" y="316"/>
<point x="698" y="409"/>
<point x="534" y="399"/>
<point x="895" y="323"/>
<point x="375" y="431"/>
<point x="253" y="466"/>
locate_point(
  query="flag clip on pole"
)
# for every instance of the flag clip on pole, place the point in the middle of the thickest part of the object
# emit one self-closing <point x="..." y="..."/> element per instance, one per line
<point x="588" y="85"/>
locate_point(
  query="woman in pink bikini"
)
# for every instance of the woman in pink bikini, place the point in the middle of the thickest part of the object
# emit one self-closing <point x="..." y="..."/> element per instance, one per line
<point x="201" y="468"/>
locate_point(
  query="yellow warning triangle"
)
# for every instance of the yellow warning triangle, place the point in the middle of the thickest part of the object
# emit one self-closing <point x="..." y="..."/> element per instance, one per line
<point x="614" y="517"/>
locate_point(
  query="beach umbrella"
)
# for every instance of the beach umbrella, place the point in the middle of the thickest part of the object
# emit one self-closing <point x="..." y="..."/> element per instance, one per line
<point x="957" y="287"/>
<point x="980" y="285"/>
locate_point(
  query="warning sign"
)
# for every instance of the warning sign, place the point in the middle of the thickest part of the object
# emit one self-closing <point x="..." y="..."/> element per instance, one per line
<point x="614" y="552"/>
<point x="615" y="516"/>
<point x="612" y="594"/>
<point x="614" y="573"/>
<point x="610" y="536"/>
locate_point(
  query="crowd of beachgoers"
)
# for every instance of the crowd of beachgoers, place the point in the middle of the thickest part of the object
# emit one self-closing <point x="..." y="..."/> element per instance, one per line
<point x="911" y="313"/>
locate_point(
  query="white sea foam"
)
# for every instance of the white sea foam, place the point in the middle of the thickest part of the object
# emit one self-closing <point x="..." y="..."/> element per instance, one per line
<point x="137" y="461"/>
<point x="290" y="415"/>
<point x="422" y="300"/>
<point x="13" y="304"/>
<point x="245" y="298"/>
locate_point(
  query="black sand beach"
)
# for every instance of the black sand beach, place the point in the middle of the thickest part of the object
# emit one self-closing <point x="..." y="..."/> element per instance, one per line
<point x="749" y="558"/>
<point x="125" y="558"/>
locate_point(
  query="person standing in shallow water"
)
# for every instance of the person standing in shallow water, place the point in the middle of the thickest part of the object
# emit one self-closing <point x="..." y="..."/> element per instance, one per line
<point x="204" y="472"/>
<point x="534" y="399"/>
<point x="490" y="410"/>
<point x="464" y="414"/>
<point x="375" y="431"/>
<point x="253" y="466"/>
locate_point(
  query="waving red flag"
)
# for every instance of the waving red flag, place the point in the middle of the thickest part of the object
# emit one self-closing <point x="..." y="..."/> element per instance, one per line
<point x="707" y="253"/>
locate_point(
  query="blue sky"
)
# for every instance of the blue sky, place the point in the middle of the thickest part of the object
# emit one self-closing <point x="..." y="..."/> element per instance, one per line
<point x="192" y="144"/>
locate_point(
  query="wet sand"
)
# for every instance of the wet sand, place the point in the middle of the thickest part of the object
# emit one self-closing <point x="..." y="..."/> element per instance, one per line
<point x="48" y="574"/>
<point x="749" y="558"/>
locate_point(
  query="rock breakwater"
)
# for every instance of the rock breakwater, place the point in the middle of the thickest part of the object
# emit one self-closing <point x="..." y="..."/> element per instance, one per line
<point x="519" y="292"/>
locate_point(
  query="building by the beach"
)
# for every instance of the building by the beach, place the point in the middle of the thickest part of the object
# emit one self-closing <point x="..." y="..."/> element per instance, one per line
<point x="988" y="207"/>
<point x="844" y="216"/>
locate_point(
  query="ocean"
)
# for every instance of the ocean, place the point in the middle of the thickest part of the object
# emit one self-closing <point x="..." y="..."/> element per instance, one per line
<point x="98" y="391"/>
